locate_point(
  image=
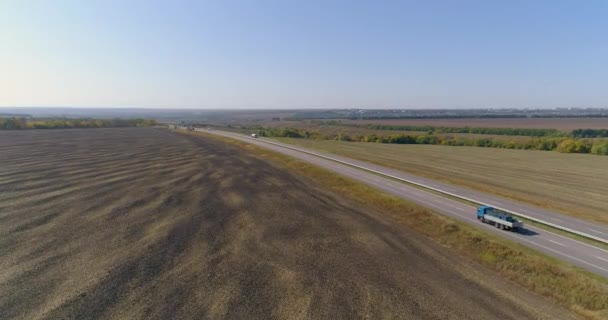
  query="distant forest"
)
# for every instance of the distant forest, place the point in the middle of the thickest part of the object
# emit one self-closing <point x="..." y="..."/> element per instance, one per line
<point x="14" y="123"/>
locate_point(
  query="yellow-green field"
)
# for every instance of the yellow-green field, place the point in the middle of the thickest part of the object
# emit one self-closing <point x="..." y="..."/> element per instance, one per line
<point x="575" y="184"/>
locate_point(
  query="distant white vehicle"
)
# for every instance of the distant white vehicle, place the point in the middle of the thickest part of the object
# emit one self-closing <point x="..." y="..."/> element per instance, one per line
<point x="253" y="135"/>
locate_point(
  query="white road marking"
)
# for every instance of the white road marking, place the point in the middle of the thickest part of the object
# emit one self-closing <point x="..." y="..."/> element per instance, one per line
<point x="454" y="207"/>
<point x="598" y="231"/>
<point x="539" y="230"/>
<point x="602" y="258"/>
<point x="561" y="244"/>
<point x="565" y="255"/>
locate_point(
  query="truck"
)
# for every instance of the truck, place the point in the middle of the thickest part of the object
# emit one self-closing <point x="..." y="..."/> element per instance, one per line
<point x="253" y="135"/>
<point x="498" y="218"/>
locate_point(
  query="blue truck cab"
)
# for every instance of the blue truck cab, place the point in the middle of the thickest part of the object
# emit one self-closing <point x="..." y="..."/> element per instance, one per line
<point x="481" y="211"/>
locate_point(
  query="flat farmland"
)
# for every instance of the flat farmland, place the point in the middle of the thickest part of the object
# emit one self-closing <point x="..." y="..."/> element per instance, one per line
<point x="563" y="124"/>
<point x="143" y="223"/>
<point x="148" y="224"/>
<point x="575" y="184"/>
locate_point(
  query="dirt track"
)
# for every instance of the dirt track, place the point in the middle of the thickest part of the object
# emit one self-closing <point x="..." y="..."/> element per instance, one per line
<point x="144" y="223"/>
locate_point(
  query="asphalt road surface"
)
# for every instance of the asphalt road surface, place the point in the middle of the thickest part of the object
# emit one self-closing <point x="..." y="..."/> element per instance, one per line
<point x="584" y="255"/>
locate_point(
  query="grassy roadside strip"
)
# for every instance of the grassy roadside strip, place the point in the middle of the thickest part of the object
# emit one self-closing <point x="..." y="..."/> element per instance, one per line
<point x="580" y="291"/>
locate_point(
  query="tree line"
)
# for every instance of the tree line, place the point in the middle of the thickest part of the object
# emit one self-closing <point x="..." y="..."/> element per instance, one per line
<point x="559" y="144"/>
<point x="528" y="132"/>
<point x="14" y="123"/>
<point x="590" y="133"/>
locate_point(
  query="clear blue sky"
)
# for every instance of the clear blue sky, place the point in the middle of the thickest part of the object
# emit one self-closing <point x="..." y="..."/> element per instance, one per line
<point x="295" y="54"/>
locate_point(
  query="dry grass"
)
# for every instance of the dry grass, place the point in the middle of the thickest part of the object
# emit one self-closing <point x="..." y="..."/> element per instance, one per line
<point x="574" y="184"/>
<point x="564" y="124"/>
<point x="578" y="290"/>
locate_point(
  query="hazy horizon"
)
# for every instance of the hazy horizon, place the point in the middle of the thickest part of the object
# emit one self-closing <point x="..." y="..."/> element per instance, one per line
<point x="289" y="109"/>
<point x="312" y="55"/>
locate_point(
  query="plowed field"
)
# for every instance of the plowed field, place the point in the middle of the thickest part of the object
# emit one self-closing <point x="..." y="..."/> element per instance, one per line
<point x="148" y="224"/>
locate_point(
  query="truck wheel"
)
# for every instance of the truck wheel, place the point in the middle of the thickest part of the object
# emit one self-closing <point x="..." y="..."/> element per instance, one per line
<point x="498" y="225"/>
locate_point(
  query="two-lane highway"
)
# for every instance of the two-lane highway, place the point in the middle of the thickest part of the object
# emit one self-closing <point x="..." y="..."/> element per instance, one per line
<point x="578" y="253"/>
